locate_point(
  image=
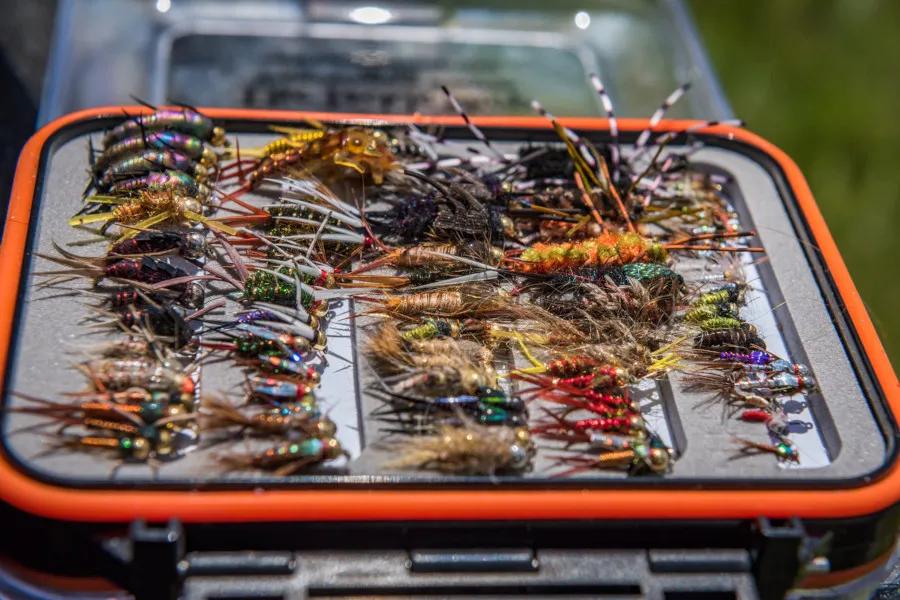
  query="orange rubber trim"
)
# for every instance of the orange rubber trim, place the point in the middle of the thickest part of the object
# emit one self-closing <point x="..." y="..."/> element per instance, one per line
<point x="52" y="501"/>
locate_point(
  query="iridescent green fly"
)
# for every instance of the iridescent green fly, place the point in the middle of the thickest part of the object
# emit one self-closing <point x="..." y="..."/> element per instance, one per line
<point x="202" y="152"/>
<point x="290" y="219"/>
<point x="186" y="120"/>
<point x="730" y="292"/>
<point x="267" y="286"/>
<point x="704" y="312"/>
<point x="289" y="458"/>
<point x="285" y="285"/>
<point x="411" y="414"/>
<point x="252" y="342"/>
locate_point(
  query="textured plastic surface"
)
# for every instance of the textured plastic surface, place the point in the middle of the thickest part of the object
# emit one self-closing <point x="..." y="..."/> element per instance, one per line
<point x="581" y="574"/>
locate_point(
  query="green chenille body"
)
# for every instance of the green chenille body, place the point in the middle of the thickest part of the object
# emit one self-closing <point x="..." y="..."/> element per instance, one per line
<point x="717" y="323"/>
<point x="265" y="287"/>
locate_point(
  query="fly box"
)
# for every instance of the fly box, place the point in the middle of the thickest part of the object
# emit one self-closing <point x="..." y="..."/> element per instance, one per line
<point x="721" y="495"/>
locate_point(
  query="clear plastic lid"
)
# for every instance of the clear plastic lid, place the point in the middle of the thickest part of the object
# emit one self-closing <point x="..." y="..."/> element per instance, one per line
<point x="379" y="58"/>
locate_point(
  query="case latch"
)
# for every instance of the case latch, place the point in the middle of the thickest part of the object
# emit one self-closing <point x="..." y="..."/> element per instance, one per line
<point x="150" y="557"/>
<point x="778" y="555"/>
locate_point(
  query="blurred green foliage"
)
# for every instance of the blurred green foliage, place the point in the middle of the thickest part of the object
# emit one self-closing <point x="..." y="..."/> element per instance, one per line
<point x="821" y="80"/>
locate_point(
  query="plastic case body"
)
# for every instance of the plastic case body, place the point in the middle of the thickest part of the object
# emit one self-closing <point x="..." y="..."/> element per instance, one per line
<point x="858" y="481"/>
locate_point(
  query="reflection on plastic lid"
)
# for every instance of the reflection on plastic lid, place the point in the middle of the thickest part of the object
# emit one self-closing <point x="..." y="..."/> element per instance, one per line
<point x="582" y="20"/>
<point x="370" y="15"/>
